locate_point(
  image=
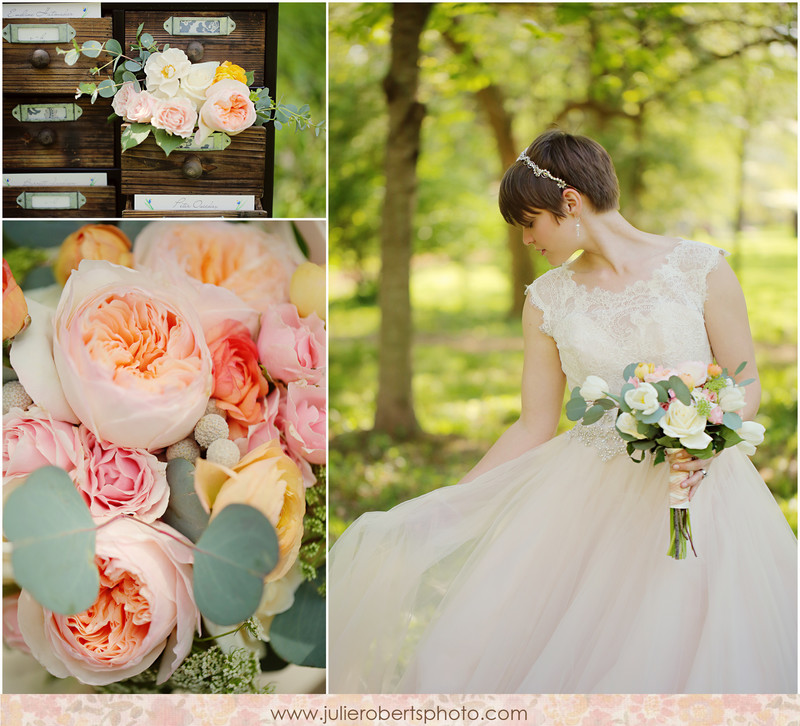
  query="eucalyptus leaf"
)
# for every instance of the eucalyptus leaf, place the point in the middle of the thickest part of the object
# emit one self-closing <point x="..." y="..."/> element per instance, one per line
<point x="53" y="542"/>
<point x="630" y="371"/>
<point x="113" y="47"/>
<point x="740" y="368"/>
<point x="278" y="125"/>
<point x="622" y="403"/>
<point x="134" y="134"/>
<point x="575" y="409"/>
<point x="132" y="65"/>
<point x="184" y="512"/>
<point x="298" y="634"/>
<point x="681" y="390"/>
<point x="91" y="48"/>
<point x="732" y="420"/>
<point x="232" y="557"/>
<point x="594" y="414"/>
<point x="250" y="76"/>
<point x="654" y="417"/>
<point x="71" y="57"/>
<point x="146" y="40"/>
<point x="747" y="382"/>
<point x="107" y="88"/>
<point x="606" y="404"/>
<point x="167" y="141"/>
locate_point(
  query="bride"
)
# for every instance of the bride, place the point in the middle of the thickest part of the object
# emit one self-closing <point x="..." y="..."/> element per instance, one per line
<point x="545" y="569"/>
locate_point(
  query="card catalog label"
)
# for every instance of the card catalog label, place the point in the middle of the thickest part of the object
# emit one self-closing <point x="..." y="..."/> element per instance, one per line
<point x="65" y="179"/>
<point x="194" y="203"/>
<point x="51" y="10"/>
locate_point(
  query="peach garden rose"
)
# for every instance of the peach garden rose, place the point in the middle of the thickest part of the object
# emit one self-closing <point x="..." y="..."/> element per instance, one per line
<point x="227" y="108"/>
<point x="92" y="242"/>
<point x="175" y="115"/>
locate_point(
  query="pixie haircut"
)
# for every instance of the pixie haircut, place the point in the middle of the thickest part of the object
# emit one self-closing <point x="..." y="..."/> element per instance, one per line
<point x="577" y="160"/>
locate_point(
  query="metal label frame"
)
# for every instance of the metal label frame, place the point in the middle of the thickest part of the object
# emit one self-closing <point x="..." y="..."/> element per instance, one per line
<point x="199" y="26"/>
<point x="75" y="200"/>
<point x="215" y="142"/>
<point x="28" y="112"/>
<point x="65" y="32"/>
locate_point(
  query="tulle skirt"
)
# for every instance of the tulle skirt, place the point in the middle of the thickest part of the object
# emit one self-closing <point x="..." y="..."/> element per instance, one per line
<point x="549" y="574"/>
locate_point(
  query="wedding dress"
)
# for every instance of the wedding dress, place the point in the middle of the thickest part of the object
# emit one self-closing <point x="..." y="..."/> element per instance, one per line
<point x="549" y="573"/>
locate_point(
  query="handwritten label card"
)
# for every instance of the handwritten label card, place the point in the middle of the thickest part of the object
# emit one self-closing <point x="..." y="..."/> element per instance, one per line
<point x="194" y="202"/>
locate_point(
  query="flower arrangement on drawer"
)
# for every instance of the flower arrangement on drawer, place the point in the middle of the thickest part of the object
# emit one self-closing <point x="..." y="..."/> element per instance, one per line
<point x="164" y="443"/>
<point x="177" y="101"/>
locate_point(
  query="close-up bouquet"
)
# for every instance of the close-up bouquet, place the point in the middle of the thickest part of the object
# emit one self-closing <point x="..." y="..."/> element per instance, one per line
<point x="164" y="450"/>
<point x="180" y="102"/>
<point x="692" y="410"/>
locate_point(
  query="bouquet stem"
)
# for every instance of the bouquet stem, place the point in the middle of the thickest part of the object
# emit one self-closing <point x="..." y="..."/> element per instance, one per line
<point x="680" y="526"/>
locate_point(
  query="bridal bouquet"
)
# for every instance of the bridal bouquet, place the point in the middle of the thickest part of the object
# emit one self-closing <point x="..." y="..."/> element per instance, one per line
<point x="181" y="103"/>
<point x="693" y="410"/>
<point x="164" y="442"/>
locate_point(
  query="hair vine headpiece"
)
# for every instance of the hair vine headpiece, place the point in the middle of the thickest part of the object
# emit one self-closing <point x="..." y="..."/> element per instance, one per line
<point x="539" y="171"/>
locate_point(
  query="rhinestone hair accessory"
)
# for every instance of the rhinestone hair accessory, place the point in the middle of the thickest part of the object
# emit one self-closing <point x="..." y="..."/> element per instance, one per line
<point x="539" y="171"/>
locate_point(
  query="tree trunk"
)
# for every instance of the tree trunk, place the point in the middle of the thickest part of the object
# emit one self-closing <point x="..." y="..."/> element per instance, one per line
<point x="395" y="405"/>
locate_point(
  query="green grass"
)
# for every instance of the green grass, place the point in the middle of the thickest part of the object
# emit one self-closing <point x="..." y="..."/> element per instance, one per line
<point x="468" y="361"/>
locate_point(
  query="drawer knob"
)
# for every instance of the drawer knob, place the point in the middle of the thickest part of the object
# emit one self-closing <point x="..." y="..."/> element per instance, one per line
<point x="46" y="137"/>
<point x="40" y="58"/>
<point x="194" y="51"/>
<point x="192" y="167"/>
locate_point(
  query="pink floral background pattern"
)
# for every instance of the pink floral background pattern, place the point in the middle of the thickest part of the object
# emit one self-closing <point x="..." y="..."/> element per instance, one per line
<point x="455" y="710"/>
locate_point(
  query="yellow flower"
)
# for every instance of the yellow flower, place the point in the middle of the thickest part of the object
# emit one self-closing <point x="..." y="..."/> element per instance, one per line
<point x="267" y="480"/>
<point x="307" y="290"/>
<point x="230" y="70"/>
<point x="644" y="369"/>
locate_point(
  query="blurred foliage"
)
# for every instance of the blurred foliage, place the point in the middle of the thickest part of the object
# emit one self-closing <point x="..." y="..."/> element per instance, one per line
<point x="468" y="361"/>
<point x="300" y="156"/>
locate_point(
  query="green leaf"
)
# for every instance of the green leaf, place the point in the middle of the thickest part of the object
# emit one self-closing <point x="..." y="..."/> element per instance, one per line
<point x="128" y="76"/>
<point x="654" y="417"/>
<point x="732" y="420"/>
<point x="594" y="414"/>
<point x="107" y="88"/>
<point x="278" y="124"/>
<point x="71" y="57"/>
<point x="87" y="87"/>
<point x="146" y="40"/>
<point x="132" y="65"/>
<point x="642" y="445"/>
<point x="237" y="550"/>
<point x="139" y="29"/>
<point x="184" y="512"/>
<point x="740" y="368"/>
<point x="113" y="47"/>
<point x="681" y="390"/>
<point x="663" y="391"/>
<point x="250" y="76"/>
<point x="630" y="371"/>
<point x="53" y="538"/>
<point x="606" y="404"/>
<point x="747" y="382"/>
<point x="730" y="438"/>
<point x="575" y="409"/>
<point x="134" y="134"/>
<point x="167" y="141"/>
<point x="298" y="634"/>
<point x="91" y="48"/>
<point x="706" y="453"/>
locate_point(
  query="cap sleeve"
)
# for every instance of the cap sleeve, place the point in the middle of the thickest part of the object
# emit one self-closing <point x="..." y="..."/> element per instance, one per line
<point x="694" y="261"/>
<point x="543" y="293"/>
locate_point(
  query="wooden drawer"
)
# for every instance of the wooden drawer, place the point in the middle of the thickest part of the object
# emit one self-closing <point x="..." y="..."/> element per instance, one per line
<point x="19" y="74"/>
<point x="239" y="169"/>
<point x="244" y="46"/>
<point x="53" y="201"/>
<point x="61" y="132"/>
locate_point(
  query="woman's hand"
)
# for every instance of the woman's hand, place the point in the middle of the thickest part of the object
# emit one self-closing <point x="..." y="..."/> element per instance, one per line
<point x="696" y="468"/>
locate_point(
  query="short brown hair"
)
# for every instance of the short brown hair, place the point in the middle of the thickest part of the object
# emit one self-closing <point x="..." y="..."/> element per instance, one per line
<point x="578" y="160"/>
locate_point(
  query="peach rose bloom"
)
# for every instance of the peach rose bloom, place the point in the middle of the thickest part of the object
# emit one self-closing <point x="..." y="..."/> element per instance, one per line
<point x="267" y="480"/>
<point x="140" y="108"/>
<point x="92" y="242"/>
<point x="227" y="108"/>
<point x="123" y="97"/>
<point x="145" y="607"/>
<point x="175" y="115"/>
<point x="131" y="357"/>
<point x="244" y="258"/>
<point x="230" y="71"/>
<point x="15" y="309"/>
<point x="239" y="385"/>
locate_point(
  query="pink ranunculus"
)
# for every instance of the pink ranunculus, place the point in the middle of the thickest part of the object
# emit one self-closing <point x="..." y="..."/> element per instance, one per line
<point x="11" y="632"/>
<point x="304" y="420"/>
<point x="290" y="347"/>
<point x="227" y="108"/>
<point x="131" y="356"/>
<point x="716" y="415"/>
<point x="122" y="98"/>
<point x="175" y="115"/>
<point x="32" y="439"/>
<point x="145" y="607"/>
<point x="140" y="108"/>
<point x="119" y="480"/>
<point x="254" y="261"/>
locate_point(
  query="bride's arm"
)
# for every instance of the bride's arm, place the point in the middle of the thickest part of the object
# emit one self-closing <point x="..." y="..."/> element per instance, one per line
<point x="542" y="397"/>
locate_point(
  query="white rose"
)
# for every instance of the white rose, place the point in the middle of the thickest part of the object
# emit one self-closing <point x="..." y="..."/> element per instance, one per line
<point x="686" y="425"/>
<point x="164" y="71"/>
<point x="626" y="423"/>
<point x="731" y="398"/>
<point x="753" y="435"/>
<point x="593" y="388"/>
<point x="644" y="398"/>
<point x="197" y="80"/>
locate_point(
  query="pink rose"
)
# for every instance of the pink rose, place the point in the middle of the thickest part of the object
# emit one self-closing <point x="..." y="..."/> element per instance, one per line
<point x="227" y="108"/>
<point x="32" y="439"/>
<point x="11" y="632"/>
<point x="140" y="108"/>
<point x="145" y="607"/>
<point x="175" y="115"/>
<point x="290" y="347"/>
<point x="716" y="415"/>
<point x="118" y="480"/>
<point x="304" y="418"/>
<point x="123" y="97"/>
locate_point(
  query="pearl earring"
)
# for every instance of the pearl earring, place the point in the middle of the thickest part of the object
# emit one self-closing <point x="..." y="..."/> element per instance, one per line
<point x="578" y="228"/>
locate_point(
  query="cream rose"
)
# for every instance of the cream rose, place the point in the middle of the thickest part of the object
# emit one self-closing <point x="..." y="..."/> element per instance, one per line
<point x="164" y="71"/>
<point x="753" y="435"/>
<point x="175" y="115"/>
<point x="626" y="423"/>
<point x="644" y="398"/>
<point x="731" y="398"/>
<point x="227" y="108"/>
<point x="594" y="388"/>
<point x="196" y="82"/>
<point x="685" y="424"/>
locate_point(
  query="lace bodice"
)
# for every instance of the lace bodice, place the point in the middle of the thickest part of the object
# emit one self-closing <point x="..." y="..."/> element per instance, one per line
<point x="599" y="332"/>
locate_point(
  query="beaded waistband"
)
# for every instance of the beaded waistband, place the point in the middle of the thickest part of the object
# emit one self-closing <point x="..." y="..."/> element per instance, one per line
<point x="602" y="436"/>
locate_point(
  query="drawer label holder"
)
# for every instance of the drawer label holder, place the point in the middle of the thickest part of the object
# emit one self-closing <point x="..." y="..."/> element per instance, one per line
<point x="38" y="33"/>
<point x="51" y="200"/>
<point x="215" y="142"/>
<point x="199" y="26"/>
<point x="49" y="112"/>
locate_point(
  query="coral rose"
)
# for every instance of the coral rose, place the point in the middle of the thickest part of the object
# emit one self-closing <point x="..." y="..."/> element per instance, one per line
<point x="145" y="607"/>
<point x="244" y="258"/>
<point x="118" y="480"/>
<point x="290" y="347"/>
<point x="92" y="242"/>
<point x="267" y="480"/>
<point x="227" y="108"/>
<point x="304" y="418"/>
<point x="15" y="309"/>
<point x="239" y="386"/>
<point x="176" y="116"/>
<point x="131" y="357"/>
